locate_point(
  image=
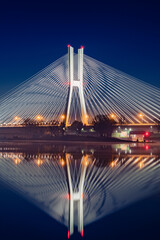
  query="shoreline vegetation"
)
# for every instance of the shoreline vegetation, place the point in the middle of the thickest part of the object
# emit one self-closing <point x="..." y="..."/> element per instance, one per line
<point x="102" y="130"/>
<point x="41" y="134"/>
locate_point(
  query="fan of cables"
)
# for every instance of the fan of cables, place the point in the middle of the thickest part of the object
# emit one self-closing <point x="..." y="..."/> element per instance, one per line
<point x="106" y="91"/>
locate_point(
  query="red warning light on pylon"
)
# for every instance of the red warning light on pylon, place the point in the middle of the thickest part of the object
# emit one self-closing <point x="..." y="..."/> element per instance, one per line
<point x="68" y="234"/>
<point x="82" y="47"/>
<point x="68" y="45"/>
<point x="82" y="233"/>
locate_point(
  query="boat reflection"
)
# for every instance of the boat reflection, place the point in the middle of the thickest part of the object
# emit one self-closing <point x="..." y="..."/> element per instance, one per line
<point x="79" y="185"/>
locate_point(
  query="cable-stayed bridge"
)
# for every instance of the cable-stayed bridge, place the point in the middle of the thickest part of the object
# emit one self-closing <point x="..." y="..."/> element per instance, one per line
<point x="78" y="87"/>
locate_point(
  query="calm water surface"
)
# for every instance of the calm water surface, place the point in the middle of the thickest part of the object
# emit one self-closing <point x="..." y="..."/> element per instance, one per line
<point x="61" y="191"/>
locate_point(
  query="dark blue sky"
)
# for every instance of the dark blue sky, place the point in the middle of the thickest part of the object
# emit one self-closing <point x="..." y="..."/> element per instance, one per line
<point x="123" y="34"/>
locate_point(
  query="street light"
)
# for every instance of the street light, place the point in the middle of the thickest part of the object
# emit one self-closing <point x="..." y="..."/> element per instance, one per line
<point x="112" y="115"/>
<point x="62" y="116"/>
<point x="39" y="117"/>
<point x="141" y="116"/>
<point x="17" y="118"/>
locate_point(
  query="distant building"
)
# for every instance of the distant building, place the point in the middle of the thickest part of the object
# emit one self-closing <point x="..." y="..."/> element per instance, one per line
<point x="139" y="136"/>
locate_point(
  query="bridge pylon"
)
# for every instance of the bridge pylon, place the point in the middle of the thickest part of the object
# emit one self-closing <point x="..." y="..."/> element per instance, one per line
<point x="76" y="83"/>
<point x="76" y="196"/>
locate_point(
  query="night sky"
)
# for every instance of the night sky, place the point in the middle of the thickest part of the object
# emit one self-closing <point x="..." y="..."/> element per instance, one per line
<point x="122" y="34"/>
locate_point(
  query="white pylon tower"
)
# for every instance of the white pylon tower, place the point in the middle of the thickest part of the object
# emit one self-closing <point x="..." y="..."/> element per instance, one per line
<point x="76" y="83"/>
<point x="76" y="196"/>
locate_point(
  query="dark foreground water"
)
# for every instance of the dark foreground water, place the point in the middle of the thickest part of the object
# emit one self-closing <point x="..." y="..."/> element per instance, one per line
<point x="51" y="191"/>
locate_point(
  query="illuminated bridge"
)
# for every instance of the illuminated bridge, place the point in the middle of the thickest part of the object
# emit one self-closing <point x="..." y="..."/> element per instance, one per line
<point x="78" y="87"/>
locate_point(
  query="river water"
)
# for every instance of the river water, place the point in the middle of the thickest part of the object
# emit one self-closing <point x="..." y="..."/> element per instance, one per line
<point x="74" y="190"/>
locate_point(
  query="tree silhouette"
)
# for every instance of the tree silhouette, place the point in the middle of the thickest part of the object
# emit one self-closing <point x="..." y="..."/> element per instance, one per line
<point x="104" y="125"/>
<point x="76" y="126"/>
<point x="29" y="121"/>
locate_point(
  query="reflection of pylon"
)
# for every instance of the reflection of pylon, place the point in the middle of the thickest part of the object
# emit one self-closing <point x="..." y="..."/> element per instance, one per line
<point x="76" y="83"/>
<point x="76" y="196"/>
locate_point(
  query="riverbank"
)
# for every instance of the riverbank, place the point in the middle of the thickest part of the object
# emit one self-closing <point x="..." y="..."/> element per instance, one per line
<point x="66" y="139"/>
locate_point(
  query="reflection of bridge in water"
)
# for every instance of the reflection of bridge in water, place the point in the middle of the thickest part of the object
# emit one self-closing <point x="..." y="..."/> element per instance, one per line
<point x="78" y="87"/>
<point x="80" y="186"/>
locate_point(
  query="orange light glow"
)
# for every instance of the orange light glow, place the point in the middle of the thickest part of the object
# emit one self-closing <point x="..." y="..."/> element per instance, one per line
<point x="140" y="115"/>
<point x="113" y="115"/>
<point x="86" y="163"/>
<point x="140" y="164"/>
<point x="113" y="164"/>
<point x="17" y="161"/>
<point x="39" y="162"/>
<point x="39" y="118"/>
<point x="62" y="116"/>
<point x="17" y="118"/>
<point x="62" y="162"/>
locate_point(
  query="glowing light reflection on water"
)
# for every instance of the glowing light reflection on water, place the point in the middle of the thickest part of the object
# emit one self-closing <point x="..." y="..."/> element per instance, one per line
<point x="88" y="182"/>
